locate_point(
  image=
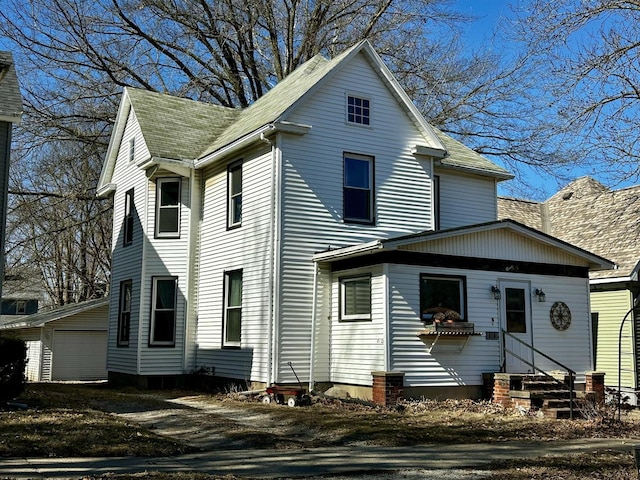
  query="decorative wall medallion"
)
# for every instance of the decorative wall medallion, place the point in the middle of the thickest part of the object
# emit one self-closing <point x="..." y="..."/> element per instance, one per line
<point x="560" y="316"/>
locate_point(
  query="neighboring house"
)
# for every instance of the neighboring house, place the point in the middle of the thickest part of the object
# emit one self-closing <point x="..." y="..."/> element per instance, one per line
<point x="606" y="222"/>
<point x="10" y="113"/>
<point x="324" y="227"/>
<point x="67" y="343"/>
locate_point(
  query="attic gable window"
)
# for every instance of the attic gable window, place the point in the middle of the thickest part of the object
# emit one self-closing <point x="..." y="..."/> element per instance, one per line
<point x="127" y="226"/>
<point x="234" y="193"/>
<point x="358" y="110"/>
<point x="132" y="149"/>
<point x="168" y="208"/>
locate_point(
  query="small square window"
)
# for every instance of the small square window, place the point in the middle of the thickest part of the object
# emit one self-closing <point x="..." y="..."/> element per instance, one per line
<point x="358" y="110"/>
<point x="355" y="298"/>
<point x="21" y="307"/>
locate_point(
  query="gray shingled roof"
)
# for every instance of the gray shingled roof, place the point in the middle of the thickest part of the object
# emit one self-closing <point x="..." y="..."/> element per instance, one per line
<point x="462" y="157"/>
<point x="8" y="322"/>
<point x="590" y="216"/>
<point x="178" y="128"/>
<point x="10" y="98"/>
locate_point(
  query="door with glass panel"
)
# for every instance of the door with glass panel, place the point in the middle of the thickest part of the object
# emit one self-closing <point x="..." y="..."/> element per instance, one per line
<point x="515" y="313"/>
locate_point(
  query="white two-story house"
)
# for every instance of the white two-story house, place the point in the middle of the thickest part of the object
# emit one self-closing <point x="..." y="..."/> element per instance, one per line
<point x="323" y="226"/>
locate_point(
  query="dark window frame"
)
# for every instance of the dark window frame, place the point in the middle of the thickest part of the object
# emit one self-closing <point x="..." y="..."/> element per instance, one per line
<point x="127" y="221"/>
<point x="342" y="302"/>
<point x="235" y="168"/>
<point x="124" y="313"/>
<point x="132" y="149"/>
<point x="233" y="343"/>
<point x="160" y="182"/>
<point x="153" y="342"/>
<point x="427" y="316"/>
<point x="348" y="191"/>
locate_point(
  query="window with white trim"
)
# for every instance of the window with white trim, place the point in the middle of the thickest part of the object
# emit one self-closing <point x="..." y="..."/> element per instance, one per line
<point x="233" y="308"/>
<point x="21" y="307"/>
<point x="127" y="224"/>
<point x="168" y="208"/>
<point x="358" y="188"/>
<point x="132" y="149"/>
<point x="355" y="298"/>
<point x="162" y="331"/>
<point x="124" y="313"/>
<point x="358" y="110"/>
<point x="440" y="294"/>
<point x="234" y="189"/>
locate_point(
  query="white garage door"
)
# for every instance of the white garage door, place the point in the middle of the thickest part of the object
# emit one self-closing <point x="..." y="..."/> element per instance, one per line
<point x="79" y="355"/>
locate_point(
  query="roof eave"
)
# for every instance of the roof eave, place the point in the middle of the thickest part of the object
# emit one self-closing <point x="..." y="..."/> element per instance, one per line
<point x="500" y="176"/>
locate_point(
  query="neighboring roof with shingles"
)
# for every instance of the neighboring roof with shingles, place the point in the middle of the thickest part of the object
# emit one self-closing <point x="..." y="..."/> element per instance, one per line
<point x="39" y="319"/>
<point x="10" y="97"/>
<point x="591" y="216"/>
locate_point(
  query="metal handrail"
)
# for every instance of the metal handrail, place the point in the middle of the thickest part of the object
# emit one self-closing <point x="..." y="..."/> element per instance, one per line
<point x="571" y="372"/>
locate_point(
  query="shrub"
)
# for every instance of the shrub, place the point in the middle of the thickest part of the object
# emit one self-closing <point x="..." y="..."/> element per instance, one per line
<point x="13" y="360"/>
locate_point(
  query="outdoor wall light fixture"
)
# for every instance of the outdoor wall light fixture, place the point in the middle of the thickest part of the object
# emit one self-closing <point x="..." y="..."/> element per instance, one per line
<point x="541" y="295"/>
<point x="496" y="292"/>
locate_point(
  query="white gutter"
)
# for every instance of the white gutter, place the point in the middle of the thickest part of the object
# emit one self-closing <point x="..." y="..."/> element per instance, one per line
<point x="347" y="251"/>
<point x="602" y="281"/>
<point x="270" y="289"/>
<point x="235" y="146"/>
<point x="313" y="326"/>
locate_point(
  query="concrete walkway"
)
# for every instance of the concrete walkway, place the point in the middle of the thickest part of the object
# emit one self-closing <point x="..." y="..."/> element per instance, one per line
<point x="311" y="462"/>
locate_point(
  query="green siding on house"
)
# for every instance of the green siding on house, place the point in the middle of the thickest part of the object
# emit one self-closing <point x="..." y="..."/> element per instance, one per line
<point x="611" y="308"/>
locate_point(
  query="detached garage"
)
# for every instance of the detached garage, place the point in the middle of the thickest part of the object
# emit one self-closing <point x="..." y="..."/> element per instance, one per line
<point x="68" y="343"/>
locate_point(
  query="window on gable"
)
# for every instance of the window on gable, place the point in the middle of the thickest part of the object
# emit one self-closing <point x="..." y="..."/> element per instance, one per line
<point x="127" y="226"/>
<point x="358" y="188"/>
<point x="132" y="149"/>
<point x="163" y="312"/>
<point x="124" y="313"/>
<point x="233" y="308"/>
<point x="358" y="110"/>
<point x="355" y="298"/>
<point x="21" y="307"/>
<point x="440" y="294"/>
<point x="234" y="189"/>
<point x="168" y="208"/>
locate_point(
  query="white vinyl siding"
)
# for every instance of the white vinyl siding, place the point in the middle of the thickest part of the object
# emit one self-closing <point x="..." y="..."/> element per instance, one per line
<point x="465" y="200"/>
<point x="446" y="364"/>
<point x="313" y="198"/>
<point x="223" y="250"/>
<point x="357" y="348"/>
<point x="127" y="262"/>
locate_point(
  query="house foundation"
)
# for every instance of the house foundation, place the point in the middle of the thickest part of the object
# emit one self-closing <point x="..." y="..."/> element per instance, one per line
<point x="388" y="387"/>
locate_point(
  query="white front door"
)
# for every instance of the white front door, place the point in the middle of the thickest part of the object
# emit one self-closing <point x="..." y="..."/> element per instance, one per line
<point x="515" y="314"/>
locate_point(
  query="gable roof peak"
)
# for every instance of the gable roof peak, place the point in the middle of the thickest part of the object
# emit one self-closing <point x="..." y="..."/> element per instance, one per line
<point x="579" y="188"/>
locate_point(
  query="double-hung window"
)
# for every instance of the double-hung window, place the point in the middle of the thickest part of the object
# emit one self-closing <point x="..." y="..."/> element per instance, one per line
<point x="355" y="298"/>
<point x="127" y="224"/>
<point x="440" y="294"/>
<point x="163" y="312"/>
<point x="234" y="194"/>
<point x="168" y="208"/>
<point x="124" y="313"/>
<point x="233" y="308"/>
<point x="358" y="188"/>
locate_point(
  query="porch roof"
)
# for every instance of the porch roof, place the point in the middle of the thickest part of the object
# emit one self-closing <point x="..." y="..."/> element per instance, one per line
<point x="498" y="228"/>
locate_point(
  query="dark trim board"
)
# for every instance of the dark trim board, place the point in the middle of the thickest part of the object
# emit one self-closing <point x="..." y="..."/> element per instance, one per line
<point x="466" y="263"/>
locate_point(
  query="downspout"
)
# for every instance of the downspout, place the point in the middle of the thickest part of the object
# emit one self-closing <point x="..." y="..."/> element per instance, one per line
<point x="190" y="310"/>
<point x="314" y="300"/>
<point x="387" y="327"/>
<point x="272" y="267"/>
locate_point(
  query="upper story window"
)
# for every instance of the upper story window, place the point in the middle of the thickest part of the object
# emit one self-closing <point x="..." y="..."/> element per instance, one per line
<point x="124" y="313"/>
<point x="355" y="298"/>
<point x="163" y="312"/>
<point x="168" y="207"/>
<point x="358" y="110"/>
<point x="21" y="307"/>
<point x="132" y="149"/>
<point x="442" y="294"/>
<point x="233" y="308"/>
<point x="127" y="224"/>
<point x="234" y="192"/>
<point x="358" y="188"/>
